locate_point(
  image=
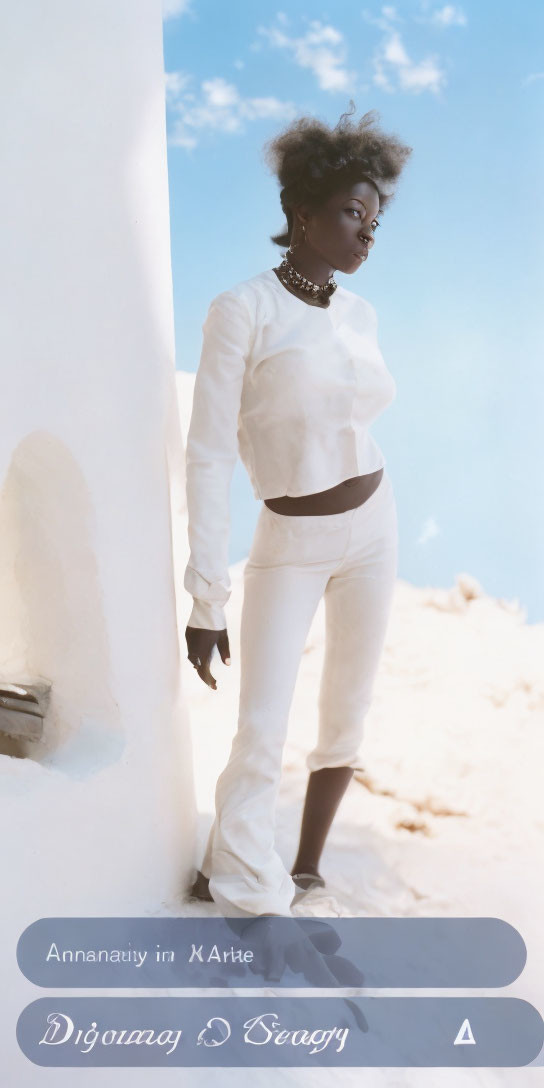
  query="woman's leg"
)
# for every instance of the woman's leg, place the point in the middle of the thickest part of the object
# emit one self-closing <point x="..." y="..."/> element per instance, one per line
<point x="324" y="792"/>
<point x="358" y="600"/>
<point x="281" y="594"/>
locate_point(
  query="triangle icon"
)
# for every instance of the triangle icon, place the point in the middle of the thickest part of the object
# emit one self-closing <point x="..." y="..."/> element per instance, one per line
<point x="464" y="1035"/>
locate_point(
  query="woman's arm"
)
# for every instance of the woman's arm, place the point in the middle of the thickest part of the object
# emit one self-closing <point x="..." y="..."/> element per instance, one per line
<point x="212" y="450"/>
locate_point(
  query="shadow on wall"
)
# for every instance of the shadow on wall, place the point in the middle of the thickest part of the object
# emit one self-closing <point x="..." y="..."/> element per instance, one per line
<point x="52" y="624"/>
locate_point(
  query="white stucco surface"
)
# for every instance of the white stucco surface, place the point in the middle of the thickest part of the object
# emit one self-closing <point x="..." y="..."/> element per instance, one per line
<point x="98" y="819"/>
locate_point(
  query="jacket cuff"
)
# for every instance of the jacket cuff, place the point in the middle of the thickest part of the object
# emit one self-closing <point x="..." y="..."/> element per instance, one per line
<point x="207" y="615"/>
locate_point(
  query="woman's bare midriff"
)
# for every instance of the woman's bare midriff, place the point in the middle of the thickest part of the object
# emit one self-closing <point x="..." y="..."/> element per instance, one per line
<point x="344" y="496"/>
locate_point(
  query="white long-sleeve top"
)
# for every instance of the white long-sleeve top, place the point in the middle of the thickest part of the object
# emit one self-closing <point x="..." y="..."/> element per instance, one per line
<point x="292" y="388"/>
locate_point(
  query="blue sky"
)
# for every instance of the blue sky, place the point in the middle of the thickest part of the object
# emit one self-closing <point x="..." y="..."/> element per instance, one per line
<point x="456" y="273"/>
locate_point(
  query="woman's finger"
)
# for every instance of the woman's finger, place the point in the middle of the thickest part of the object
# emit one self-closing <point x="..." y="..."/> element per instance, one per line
<point x="223" y="647"/>
<point x="205" y="675"/>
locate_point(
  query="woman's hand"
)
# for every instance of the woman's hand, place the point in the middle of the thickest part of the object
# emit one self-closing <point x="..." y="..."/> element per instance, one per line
<point x="200" y="644"/>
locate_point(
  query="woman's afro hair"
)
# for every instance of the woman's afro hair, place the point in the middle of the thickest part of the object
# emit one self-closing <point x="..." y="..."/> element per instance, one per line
<point x="312" y="161"/>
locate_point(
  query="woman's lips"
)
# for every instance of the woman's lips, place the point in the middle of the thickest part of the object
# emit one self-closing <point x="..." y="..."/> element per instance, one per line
<point x="362" y="255"/>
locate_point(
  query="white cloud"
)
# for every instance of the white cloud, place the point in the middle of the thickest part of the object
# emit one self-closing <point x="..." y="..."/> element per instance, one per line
<point x="429" y="531"/>
<point x="393" y="68"/>
<point x="394" y="51"/>
<point x="425" y="76"/>
<point x="449" y="15"/>
<point x="383" y="21"/>
<point x="174" y="84"/>
<point x="380" y="78"/>
<point x="218" y="107"/>
<point x="531" y="78"/>
<point x="171" y="8"/>
<point x="321" y="50"/>
<point x="219" y="93"/>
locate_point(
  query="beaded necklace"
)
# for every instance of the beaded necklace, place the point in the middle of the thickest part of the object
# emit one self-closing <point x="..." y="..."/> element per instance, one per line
<point x="291" y="278"/>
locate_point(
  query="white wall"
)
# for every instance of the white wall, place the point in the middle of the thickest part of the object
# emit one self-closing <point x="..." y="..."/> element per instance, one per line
<point x="101" y="815"/>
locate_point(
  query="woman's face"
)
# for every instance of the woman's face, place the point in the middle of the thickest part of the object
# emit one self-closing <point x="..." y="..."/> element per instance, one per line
<point x="341" y="233"/>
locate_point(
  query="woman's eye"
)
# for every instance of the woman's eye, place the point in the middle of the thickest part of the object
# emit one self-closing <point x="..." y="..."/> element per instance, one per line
<point x="375" y="222"/>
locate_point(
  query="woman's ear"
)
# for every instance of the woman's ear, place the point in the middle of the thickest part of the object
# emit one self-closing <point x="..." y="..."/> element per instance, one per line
<point x="300" y="216"/>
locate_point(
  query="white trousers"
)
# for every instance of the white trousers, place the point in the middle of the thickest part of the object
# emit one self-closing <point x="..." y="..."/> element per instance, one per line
<point x="350" y="558"/>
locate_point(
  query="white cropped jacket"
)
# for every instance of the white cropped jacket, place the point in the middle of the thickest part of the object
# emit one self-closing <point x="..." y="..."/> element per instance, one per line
<point x="292" y="388"/>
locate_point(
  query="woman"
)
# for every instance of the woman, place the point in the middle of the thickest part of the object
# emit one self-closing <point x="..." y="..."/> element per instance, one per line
<point x="290" y="376"/>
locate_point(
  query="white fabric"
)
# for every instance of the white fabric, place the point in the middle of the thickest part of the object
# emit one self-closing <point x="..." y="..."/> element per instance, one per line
<point x="351" y="559"/>
<point x="292" y="388"/>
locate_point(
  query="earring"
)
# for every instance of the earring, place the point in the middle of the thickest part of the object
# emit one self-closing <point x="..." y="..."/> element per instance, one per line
<point x="303" y="239"/>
